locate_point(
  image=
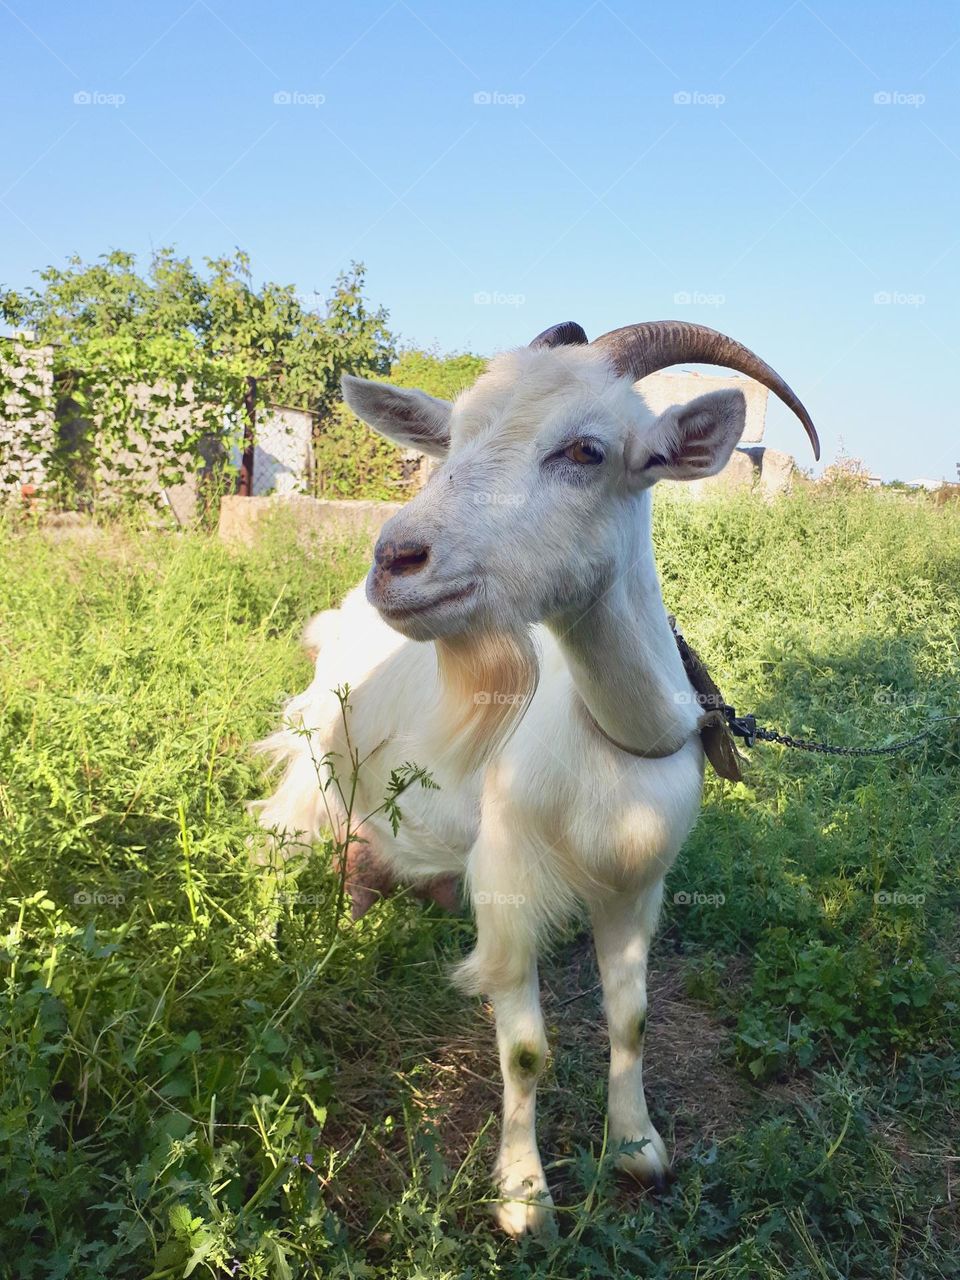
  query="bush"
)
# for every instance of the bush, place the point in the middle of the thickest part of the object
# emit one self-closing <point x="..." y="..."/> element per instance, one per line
<point x="352" y="461"/>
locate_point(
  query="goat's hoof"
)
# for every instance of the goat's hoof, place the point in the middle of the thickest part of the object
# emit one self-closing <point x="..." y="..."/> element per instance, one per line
<point x="649" y="1165"/>
<point x="661" y="1181"/>
<point x="525" y="1208"/>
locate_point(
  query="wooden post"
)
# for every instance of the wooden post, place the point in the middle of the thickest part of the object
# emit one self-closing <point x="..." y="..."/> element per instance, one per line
<point x="245" y="485"/>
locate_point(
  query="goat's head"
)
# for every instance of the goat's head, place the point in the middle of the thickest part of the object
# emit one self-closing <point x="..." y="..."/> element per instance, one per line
<point x="544" y="461"/>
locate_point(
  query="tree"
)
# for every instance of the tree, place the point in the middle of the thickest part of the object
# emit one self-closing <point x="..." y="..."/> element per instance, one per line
<point x="296" y="352"/>
<point x="194" y="337"/>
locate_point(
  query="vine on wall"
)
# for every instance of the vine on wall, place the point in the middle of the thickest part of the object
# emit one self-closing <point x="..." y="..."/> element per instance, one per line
<point x="27" y="428"/>
<point x="114" y="420"/>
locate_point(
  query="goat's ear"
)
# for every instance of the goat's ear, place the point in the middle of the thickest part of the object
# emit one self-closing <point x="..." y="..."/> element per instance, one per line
<point x="411" y="418"/>
<point x="688" y="441"/>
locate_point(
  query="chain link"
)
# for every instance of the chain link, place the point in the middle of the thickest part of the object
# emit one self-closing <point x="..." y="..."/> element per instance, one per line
<point x="754" y="731"/>
<point x="710" y="699"/>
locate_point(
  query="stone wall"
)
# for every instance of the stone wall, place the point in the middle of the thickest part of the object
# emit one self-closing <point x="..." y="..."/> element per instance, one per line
<point x="26" y="378"/>
<point x="137" y="470"/>
<point x="661" y="390"/>
<point x="282" y="456"/>
<point x="755" y="470"/>
<point x="26" y="375"/>
<point x="242" y="519"/>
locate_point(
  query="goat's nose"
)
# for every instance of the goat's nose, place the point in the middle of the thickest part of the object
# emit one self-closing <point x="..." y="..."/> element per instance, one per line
<point x="400" y="557"/>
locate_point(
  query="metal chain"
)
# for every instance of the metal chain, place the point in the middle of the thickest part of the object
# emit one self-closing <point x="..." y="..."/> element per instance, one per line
<point x="747" y="728"/>
<point x="709" y="697"/>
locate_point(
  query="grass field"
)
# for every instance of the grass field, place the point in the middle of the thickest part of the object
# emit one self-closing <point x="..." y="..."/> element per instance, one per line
<point x="204" y="1070"/>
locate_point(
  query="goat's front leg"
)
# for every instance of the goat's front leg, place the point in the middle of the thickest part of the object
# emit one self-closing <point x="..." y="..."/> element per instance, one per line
<point x="525" y="1202"/>
<point x="623" y="928"/>
<point x="504" y="967"/>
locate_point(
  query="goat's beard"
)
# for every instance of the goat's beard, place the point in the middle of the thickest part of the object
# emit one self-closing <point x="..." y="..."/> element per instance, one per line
<point x="487" y="680"/>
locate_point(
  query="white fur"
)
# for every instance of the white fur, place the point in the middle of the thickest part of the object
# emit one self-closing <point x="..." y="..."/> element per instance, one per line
<point x="557" y="816"/>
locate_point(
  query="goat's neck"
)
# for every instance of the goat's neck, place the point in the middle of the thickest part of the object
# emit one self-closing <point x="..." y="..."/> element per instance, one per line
<point x="623" y="657"/>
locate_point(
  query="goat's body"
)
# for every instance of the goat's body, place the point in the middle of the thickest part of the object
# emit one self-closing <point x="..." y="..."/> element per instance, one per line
<point x="586" y="819"/>
<point x="527" y="554"/>
<point x="557" y="816"/>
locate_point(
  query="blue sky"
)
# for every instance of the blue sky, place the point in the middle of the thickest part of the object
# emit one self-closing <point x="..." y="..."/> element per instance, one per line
<point x="786" y="172"/>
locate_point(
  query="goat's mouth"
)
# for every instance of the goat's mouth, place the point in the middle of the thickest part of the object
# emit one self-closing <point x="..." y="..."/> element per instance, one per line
<point x="415" y="612"/>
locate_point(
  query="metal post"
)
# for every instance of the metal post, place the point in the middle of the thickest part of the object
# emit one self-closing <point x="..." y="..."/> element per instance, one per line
<point x="245" y="486"/>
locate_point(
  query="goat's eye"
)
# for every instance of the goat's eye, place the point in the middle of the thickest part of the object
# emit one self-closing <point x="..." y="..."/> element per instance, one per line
<point x="584" y="452"/>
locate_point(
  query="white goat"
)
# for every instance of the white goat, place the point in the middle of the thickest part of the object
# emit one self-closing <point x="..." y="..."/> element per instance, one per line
<point x="552" y="707"/>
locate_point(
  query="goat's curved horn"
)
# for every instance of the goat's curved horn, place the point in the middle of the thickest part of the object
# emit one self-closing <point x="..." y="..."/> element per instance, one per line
<point x="567" y="334"/>
<point x="639" y="349"/>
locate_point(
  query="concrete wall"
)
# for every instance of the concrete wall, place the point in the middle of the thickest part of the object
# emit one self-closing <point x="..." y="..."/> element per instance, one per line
<point x="661" y="390"/>
<point x="26" y="373"/>
<point x="242" y="519"/>
<point x="30" y="368"/>
<point x="281" y="457"/>
<point x="283" y="454"/>
<point x="755" y="471"/>
<point x="143" y="459"/>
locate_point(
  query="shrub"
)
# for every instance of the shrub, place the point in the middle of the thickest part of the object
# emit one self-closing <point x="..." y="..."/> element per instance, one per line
<point x="353" y="461"/>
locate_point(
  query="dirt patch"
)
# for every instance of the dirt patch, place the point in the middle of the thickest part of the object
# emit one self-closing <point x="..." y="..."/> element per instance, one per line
<point x="438" y="1075"/>
<point x="692" y="1092"/>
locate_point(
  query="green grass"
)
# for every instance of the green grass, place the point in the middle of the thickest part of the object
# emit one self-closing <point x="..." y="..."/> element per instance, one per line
<point x="204" y="1069"/>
